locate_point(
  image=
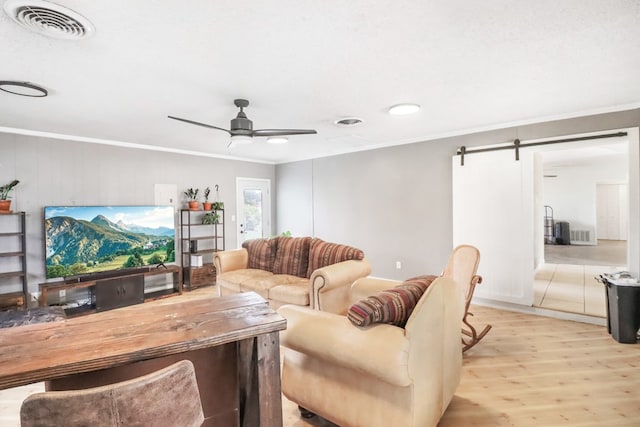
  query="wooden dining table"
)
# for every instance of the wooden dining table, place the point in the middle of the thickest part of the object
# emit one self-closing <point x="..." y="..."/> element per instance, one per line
<point x="233" y="342"/>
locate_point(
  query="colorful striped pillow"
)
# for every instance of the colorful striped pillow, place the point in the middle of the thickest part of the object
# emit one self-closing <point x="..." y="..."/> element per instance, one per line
<point x="324" y="253"/>
<point x="262" y="253"/>
<point x="292" y="256"/>
<point x="393" y="306"/>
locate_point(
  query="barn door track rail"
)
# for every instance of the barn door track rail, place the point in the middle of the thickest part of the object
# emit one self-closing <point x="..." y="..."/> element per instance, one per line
<point x="517" y="145"/>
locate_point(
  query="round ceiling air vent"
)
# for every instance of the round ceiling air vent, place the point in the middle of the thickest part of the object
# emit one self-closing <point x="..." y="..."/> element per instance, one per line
<point x="49" y="19"/>
<point x="348" y="121"/>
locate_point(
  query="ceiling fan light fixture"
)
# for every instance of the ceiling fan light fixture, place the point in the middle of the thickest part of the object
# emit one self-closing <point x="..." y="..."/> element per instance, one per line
<point x="277" y="140"/>
<point x="241" y="139"/>
<point x="403" y="109"/>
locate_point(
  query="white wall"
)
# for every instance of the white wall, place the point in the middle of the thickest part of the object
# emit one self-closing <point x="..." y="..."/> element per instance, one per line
<point x="55" y="172"/>
<point x="396" y="203"/>
<point x="386" y="202"/>
<point x="294" y="181"/>
<point x="572" y="192"/>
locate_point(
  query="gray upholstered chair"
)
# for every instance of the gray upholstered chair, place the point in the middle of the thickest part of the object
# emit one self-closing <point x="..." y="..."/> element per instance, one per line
<point x="168" y="397"/>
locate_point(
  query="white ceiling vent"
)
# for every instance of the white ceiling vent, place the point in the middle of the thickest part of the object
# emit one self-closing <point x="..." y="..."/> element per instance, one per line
<point x="49" y="19"/>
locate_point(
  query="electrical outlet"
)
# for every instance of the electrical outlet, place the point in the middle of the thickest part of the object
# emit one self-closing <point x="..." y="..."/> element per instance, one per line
<point x="399" y="265"/>
<point x="62" y="295"/>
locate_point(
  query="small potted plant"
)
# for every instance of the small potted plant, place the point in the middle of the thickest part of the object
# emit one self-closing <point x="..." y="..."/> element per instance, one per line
<point x="217" y="206"/>
<point x="211" y="218"/>
<point x="192" y="196"/>
<point x="206" y="204"/>
<point x="5" y="203"/>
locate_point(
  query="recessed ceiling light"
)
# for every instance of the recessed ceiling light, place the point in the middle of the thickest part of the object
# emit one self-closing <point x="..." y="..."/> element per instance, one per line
<point x="23" y="89"/>
<point x="277" y="140"/>
<point x="348" y="121"/>
<point x="404" y="109"/>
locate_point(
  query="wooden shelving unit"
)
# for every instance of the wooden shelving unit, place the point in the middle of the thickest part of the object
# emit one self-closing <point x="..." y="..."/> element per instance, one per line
<point x="13" y="261"/>
<point x="199" y="242"/>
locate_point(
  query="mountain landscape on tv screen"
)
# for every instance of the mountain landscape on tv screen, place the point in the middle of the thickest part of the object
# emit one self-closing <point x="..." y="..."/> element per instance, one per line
<point x="75" y="246"/>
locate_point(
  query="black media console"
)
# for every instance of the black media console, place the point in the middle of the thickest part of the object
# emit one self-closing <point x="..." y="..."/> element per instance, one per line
<point x="112" y="290"/>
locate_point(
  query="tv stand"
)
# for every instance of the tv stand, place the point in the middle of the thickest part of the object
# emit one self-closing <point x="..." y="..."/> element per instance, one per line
<point x="114" y="290"/>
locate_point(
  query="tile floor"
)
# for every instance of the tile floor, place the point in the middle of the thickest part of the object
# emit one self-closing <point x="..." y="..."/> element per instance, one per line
<point x="567" y="281"/>
<point x="571" y="288"/>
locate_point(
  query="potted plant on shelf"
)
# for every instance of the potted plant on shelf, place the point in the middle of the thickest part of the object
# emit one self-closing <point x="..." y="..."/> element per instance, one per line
<point x="217" y="206"/>
<point x="206" y="204"/>
<point x="211" y="218"/>
<point x="192" y="196"/>
<point x="5" y="203"/>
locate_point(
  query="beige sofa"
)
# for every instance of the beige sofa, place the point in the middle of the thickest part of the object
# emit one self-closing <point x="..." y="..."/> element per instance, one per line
<point x="292" y="270"/>
<point x="380" y="375"/>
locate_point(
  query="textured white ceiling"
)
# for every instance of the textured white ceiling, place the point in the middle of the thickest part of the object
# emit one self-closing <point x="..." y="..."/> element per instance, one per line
<point x="304" y="64"/>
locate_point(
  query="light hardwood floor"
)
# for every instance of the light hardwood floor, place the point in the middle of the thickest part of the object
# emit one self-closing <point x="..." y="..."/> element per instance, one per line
<point x="528" y="371"/>
<point x="538" y="371"/>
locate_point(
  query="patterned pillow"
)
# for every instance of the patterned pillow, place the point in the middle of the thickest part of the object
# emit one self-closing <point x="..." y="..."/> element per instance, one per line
<point x="323" y="253"/>
<point x="262" y="253"/>
<point x="292" y="256"/>
<point x="393" y="306"/>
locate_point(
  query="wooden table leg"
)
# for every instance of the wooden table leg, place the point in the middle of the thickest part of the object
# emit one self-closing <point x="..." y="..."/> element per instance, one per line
<point x="269" y="390"/>
<point x="259" y="375"/>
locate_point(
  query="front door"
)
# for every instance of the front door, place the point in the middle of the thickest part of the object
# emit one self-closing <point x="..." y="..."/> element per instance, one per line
<point x="254" y="208"/>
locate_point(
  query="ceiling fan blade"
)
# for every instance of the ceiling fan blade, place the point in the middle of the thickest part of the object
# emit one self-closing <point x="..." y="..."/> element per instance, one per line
<point x="283" y="132"/>
<point x="199" y="124"/>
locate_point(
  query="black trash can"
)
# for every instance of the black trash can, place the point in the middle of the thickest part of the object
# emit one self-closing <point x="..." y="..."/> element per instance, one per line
<point x="623" y="307"/>
<point x="562" y="233"/>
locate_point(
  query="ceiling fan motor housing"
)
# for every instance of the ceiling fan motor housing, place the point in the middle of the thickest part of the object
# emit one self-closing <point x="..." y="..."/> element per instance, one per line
<point x="241" y="125"/>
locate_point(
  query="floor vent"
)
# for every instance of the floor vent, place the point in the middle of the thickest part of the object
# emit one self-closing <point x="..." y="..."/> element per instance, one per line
<point x="580" y="236"/>
<point x="49" y="19"/>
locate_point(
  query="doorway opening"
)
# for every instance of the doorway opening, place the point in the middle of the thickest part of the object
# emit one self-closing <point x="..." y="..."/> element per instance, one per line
<point x="587" y="191"/>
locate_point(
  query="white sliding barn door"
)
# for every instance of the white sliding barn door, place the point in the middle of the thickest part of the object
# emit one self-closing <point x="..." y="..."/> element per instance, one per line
<point x="493" y="209"/>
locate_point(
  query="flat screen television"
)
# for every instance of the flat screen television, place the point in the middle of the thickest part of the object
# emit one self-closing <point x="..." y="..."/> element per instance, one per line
<point x="81" y="240"/>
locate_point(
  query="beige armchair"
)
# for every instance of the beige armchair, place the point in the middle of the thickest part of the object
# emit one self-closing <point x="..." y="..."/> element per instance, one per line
<point x="380" y="375"/>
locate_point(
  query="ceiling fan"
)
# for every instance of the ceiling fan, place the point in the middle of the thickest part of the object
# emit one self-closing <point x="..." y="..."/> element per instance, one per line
<point x="241" y="129"/>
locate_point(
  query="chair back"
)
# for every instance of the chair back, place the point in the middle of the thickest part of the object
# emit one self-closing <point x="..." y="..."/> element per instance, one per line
<point x="168" y="397"/>
<point x="462" y="267"/>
